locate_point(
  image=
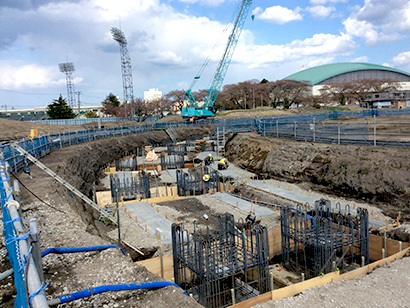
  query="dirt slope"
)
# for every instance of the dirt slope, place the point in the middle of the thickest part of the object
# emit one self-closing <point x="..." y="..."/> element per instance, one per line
<point x="377" y="175"/>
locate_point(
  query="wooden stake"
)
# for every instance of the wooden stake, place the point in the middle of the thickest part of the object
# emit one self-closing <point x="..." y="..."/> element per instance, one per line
<point x="157" y="209"/>
<point x="129" y="214"/>
<point x="288" y="187"/>
<point x="310" y="192"/>
<point x="166" y="215"/>
<point x="354" y="204"/>
<point x="237" y="204"/>
<point x="136" y="219"/>
<point x="146" y="228"/>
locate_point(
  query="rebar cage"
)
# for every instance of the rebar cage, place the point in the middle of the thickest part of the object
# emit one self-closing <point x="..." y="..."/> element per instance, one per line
<point x="199" y="181"/>
<point x="221" y="268"/>
<point x="325" y="239"/>
<point x="172" y="161"/>
<point x="129" y="186"/>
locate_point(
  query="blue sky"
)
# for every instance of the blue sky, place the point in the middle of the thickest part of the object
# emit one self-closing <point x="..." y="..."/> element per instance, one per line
<point x="169" y="40"/>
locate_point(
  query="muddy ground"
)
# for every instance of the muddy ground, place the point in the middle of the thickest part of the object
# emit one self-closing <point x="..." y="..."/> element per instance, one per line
<point x="378" y="175"/>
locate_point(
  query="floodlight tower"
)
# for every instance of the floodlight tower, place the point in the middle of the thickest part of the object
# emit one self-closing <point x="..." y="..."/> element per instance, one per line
<point x="68" y="69"/>
<point x="126" y="68"/>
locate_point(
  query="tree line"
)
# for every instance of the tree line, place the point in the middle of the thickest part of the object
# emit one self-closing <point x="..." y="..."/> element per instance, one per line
<point x="243" y="95"/>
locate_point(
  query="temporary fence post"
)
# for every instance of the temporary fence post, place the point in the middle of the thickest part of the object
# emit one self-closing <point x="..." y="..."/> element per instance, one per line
<point x="374" y="130"/>
<point x="161" y="255"/>
<point x="277" y="129"/>
<point x="35" y="243"/>
<point x="314" y="130"/>
<point x="294" y="129"/>
<point x="118" y="219"/>
<point x="338" y="133"/>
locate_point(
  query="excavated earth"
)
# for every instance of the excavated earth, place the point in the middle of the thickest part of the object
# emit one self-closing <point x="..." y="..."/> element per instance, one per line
<point x="377" y="175"/>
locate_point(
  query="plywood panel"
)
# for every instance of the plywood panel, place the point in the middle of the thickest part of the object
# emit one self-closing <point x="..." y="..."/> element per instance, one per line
<point x="275" y="242"/>
<point x="103" y="198"/>
<point x="154" y="266"/>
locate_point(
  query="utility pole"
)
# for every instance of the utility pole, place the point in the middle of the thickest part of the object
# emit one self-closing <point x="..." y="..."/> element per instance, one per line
<point x="5" y="107"/>
<point x="79" y="104"/>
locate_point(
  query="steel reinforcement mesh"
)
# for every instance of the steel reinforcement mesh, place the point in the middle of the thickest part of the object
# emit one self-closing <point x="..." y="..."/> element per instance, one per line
<point x="129" y="186"/>
<point x="219" y="267"/>
<point x="197" y="181"/>
<point x="325" y="239"/>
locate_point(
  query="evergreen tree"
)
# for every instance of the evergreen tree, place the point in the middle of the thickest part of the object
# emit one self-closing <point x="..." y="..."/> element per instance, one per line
<point x="59" y="109"/>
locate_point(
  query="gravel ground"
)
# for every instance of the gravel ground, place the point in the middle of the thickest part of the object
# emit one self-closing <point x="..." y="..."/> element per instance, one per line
<point x="387" y="286"/>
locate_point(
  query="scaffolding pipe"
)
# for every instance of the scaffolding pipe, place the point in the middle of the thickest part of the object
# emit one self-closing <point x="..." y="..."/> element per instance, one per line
<point x="109" y="288"/>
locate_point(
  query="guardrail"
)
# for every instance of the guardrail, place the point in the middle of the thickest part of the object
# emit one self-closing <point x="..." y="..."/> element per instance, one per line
<point x="22" y="254"/>
<point x="312" y="128"/>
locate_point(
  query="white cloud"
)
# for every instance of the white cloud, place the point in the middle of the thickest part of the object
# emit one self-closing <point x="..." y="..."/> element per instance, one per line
<point x="321" y="61"/>
<point x="277" y="14"/>
<point x="30" y="76"/>
<point x="402" y="59"/>
<point x="320" y="47"/>
<point x="320" y="11"/>
<point x="363" y="59"/>
<point x="320" y="2"/>
<point x="379" y="21"/>
<point x="206" y="2"/>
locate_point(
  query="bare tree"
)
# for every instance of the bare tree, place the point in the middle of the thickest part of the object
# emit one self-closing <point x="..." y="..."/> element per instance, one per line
<point x="361" y="89"/>
<point x="176" y="97"/>
<point x="288" y="92"/>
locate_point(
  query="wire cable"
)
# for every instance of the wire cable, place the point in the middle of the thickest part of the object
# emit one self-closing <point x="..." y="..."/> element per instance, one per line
<point x="31" y="192"/>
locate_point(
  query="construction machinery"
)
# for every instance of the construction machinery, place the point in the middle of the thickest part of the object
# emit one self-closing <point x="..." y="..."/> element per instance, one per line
<point x="194" y="110"/>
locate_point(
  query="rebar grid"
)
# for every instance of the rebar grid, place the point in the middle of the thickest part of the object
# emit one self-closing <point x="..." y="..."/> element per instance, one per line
<point x="129" y="186"/>
<point x="201" y="181"/>
<point x="210" y="265"/>
<point x="172" y="161"/>
<point x="324" y="239"/>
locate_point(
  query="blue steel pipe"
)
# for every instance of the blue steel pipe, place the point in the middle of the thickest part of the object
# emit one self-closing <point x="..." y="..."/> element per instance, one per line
<point x="63" y="250"/>
<point x="107" y="288"/>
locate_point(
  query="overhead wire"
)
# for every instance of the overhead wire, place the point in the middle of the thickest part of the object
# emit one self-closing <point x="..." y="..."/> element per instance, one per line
<point x="206" y="62"/>
<point x="31" y="192"/>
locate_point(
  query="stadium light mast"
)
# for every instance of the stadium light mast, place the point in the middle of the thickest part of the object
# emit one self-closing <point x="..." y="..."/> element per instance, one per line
<point x="126" y="68"/>
<point x="68" y="69"/>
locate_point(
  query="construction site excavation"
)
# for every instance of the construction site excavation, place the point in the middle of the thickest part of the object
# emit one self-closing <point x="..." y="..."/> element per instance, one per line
<point x="155" y="209"/>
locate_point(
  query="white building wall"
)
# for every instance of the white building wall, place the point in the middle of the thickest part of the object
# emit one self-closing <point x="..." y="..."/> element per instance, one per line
<point x="152" y="94"/>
